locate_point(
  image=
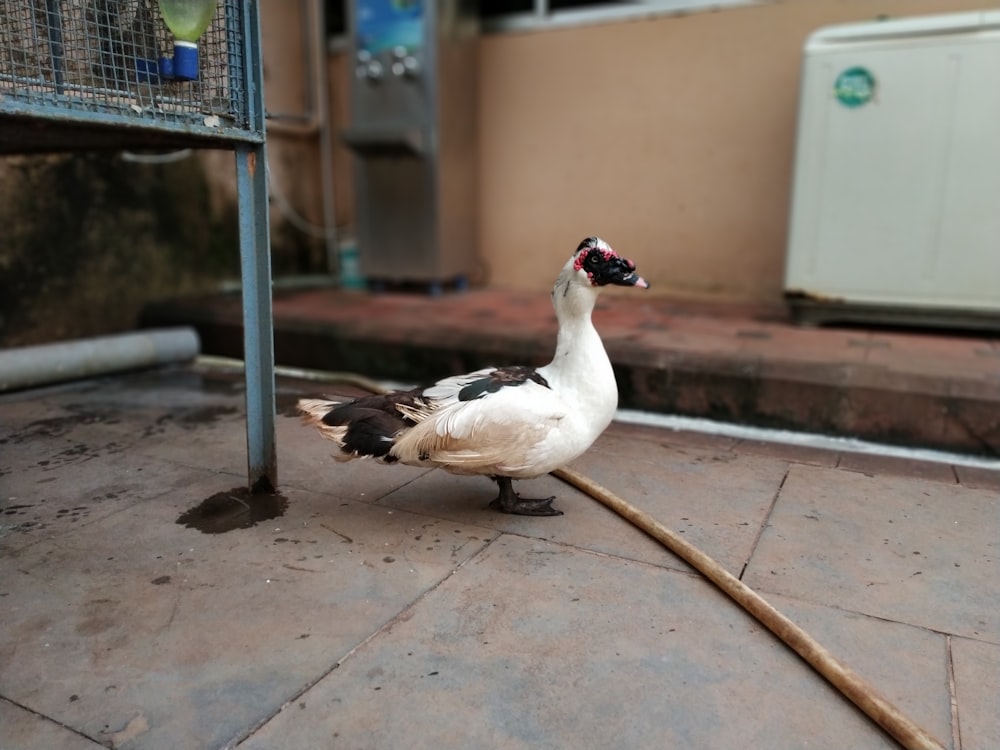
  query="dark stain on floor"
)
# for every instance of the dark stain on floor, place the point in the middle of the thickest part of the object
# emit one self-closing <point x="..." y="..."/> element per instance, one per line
<point x="237" y="508"/>
<point x="189" y="418"/>
<point x="59" y="426"/>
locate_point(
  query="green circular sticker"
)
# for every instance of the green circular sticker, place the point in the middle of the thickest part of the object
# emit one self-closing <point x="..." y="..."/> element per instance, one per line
<point x="854" y="87"/>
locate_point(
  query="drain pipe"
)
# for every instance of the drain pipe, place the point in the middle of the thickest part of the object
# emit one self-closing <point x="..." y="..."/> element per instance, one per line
<point x="31" y="366"/>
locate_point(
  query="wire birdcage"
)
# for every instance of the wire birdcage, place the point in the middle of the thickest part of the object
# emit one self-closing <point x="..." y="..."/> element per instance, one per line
<point x="95" y="62"/>
<point x="85" y="74"/>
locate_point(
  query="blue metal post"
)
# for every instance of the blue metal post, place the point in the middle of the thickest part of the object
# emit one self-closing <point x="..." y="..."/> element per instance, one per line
<point x="255" y="263"/>
<point x="258" y="340"/>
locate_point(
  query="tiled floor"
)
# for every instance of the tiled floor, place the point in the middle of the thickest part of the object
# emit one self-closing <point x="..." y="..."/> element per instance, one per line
<point x="387" y="607"/>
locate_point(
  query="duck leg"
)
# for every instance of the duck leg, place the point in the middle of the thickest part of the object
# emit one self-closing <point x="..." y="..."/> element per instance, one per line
<point x="509" y="501"/>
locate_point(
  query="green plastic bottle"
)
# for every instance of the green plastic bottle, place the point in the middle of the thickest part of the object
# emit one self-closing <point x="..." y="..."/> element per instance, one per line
<point x="187" y="19"/>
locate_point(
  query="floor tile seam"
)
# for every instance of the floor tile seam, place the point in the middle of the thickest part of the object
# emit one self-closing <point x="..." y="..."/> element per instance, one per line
<point x="396" y="488"/>
<point x="687" y="570"/>
<point x="304" y="486"/>
<point x="51" y="720"/>
<point x="956" y="725"/>
<point x="984" y="640"/>
<point x="876" y="473"/>
<point x="765" y="523"/>
<point x="383" y="502"/>
<point x="954" y="473"/>
<point x="749" y="446"/>
<point x="405" y="614"/>
<point x="764" y="591"/>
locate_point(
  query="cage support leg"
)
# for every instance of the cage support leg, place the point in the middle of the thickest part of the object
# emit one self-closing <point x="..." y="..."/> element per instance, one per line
<point x="258" y="339"/>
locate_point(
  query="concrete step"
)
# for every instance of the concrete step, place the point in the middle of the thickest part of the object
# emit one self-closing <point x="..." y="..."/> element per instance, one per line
<point x="734" y="363"/>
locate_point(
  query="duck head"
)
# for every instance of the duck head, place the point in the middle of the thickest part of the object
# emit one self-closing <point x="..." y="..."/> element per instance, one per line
<point x="600" y="265"/>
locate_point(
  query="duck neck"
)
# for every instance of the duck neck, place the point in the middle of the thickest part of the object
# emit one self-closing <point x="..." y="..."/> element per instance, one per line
<point x="580" y="357"/>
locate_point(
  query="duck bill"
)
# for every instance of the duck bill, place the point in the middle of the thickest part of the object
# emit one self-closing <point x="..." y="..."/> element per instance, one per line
<point x="627" y="276"/>
<point x="639" y="281"/>
<point x="632" y="279"/>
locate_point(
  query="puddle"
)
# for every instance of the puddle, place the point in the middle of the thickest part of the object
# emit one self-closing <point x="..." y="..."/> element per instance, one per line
<point x="237" y="508"/>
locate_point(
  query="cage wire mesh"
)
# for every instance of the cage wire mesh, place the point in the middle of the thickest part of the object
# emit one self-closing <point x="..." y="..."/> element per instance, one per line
<point x="100" y="56"/>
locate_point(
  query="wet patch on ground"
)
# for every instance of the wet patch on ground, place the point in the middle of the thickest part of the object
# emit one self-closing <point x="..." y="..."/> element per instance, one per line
<point x="237" y="508"/>
<point x="54" y="427"/>
<point x="22" y="518"/>
<point x="78" y="452"/>
<point x="189" y="419"/>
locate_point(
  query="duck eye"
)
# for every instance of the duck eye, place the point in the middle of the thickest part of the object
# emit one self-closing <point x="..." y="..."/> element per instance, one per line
<point x="592" y="259"/>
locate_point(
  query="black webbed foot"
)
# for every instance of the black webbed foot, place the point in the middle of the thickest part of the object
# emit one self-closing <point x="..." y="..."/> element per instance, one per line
<point x="509" y="501"/>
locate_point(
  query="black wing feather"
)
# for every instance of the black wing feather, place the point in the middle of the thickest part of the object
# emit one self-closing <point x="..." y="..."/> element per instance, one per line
<point x="500" y="378"/>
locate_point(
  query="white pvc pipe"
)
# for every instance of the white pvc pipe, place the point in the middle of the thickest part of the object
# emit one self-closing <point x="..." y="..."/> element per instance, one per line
<point x="30" y="366"/>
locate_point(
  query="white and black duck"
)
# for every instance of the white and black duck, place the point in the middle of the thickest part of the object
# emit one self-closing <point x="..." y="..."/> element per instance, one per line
<point x="513" y="422"/>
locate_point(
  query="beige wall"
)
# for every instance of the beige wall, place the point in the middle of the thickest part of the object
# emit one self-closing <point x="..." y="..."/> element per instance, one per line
<point x="672" y="138"/>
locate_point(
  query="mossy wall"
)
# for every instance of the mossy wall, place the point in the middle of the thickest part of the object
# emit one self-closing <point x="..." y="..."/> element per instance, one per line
<point x="88" y="239"/>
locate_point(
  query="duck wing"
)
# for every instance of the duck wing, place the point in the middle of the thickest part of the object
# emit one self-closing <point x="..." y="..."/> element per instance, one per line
<point x="480" y="383"/>
<point x="372" y="425"/>
<point x="499" y="422"/>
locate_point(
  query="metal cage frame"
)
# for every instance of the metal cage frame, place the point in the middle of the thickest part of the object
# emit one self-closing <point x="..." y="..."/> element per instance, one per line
<point x="82" y="75"/>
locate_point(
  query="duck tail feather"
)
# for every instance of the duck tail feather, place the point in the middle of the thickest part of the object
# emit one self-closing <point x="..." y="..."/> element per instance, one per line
<point x="314" y="409"/>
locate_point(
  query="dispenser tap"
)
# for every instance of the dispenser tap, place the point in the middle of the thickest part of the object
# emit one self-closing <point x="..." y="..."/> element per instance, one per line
<point x="404" y="64"/>
<point x="368" y="67"/>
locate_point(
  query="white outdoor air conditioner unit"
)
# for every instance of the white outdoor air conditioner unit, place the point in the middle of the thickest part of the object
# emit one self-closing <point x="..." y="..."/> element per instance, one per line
<point x="896" y="200"/>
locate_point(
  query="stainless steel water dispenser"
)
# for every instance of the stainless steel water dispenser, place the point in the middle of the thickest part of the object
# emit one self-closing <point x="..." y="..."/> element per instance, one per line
<point x="413" y="133"/>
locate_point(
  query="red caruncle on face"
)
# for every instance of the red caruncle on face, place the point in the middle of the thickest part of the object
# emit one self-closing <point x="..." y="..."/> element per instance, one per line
<point x="606" y="253"/>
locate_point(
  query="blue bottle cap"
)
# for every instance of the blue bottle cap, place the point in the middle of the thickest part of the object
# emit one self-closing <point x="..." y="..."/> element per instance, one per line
<point x="185" y="61"/>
